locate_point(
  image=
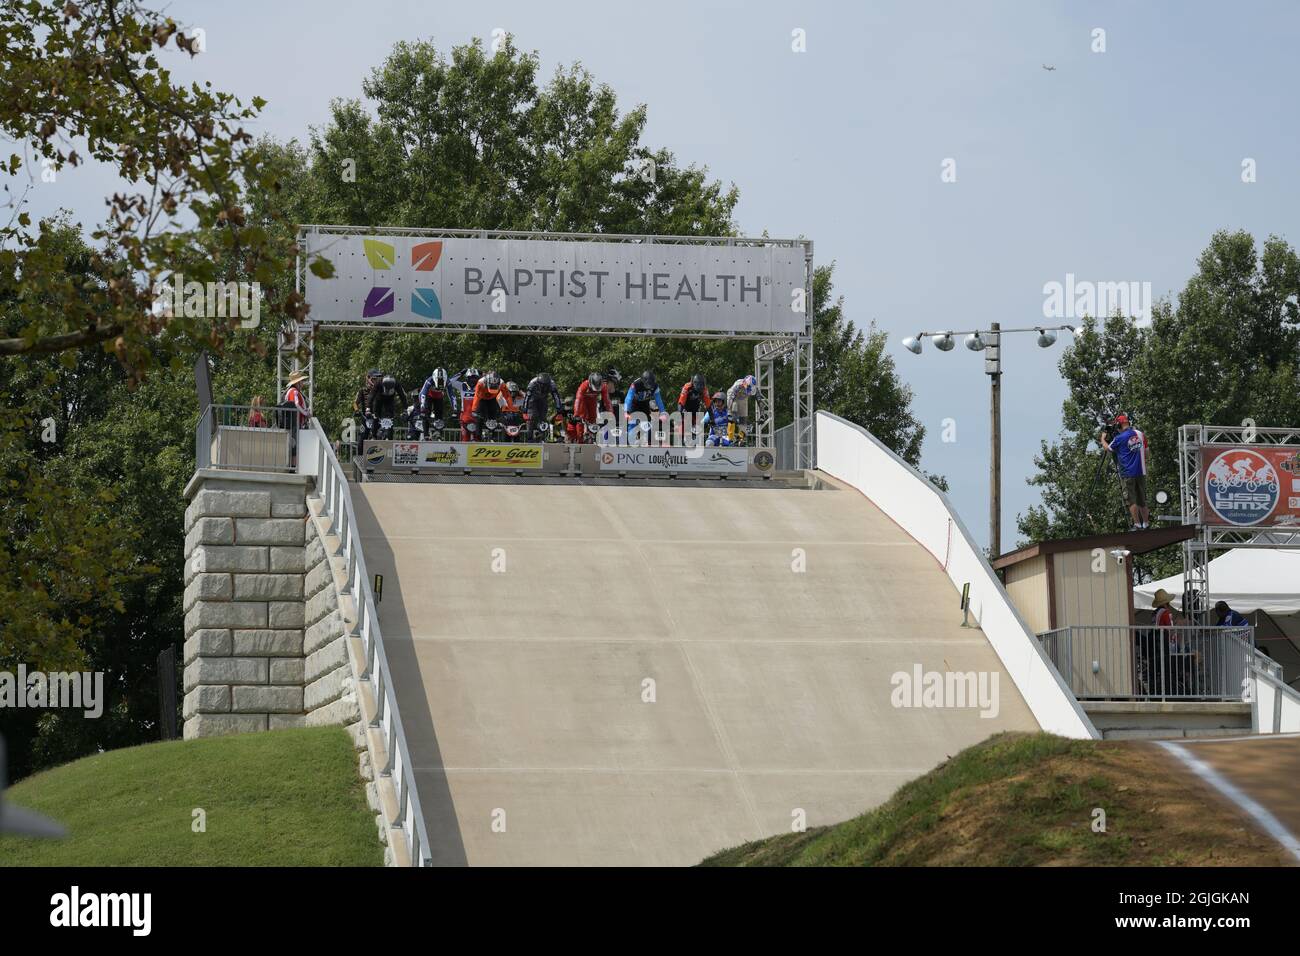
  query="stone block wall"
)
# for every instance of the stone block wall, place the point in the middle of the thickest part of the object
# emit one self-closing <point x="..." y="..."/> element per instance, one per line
<point x="244" y="568"/>
<point x="329" y="693"/>
<point x="268" y="643"/>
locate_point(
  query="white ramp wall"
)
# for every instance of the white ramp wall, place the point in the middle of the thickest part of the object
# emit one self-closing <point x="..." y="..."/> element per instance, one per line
<point x="1275" y="707"/>
<point x="853" y="455"/>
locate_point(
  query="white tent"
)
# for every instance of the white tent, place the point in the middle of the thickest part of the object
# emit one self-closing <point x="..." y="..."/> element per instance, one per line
<point x="1249" y="579"/>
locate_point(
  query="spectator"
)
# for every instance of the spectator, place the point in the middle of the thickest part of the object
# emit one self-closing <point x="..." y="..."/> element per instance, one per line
<point x="1227" y="617"/>
<point x="255" y="417"/>
<point x="1153" y="647"/>
<point x="294" y="397"/>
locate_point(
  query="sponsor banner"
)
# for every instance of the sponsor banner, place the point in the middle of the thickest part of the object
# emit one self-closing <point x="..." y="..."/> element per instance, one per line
<point x="714" y="461"/>
<point x="428" y="454"/>
<point x="488" y="455"/>
<point x="1250" y="485"/>
<point x="388" y="279"/>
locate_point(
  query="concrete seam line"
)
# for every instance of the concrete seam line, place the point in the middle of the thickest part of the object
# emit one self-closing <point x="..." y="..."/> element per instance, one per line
<point x="1271" y="824"/>
<point x="1254" y="737"/>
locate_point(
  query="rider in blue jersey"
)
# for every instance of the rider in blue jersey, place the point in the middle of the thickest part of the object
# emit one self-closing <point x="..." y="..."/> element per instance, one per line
<point x="718" y="421"/>
<point x="642" y="392"/>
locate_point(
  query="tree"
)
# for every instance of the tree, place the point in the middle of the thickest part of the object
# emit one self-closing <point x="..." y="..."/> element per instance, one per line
<point x="92" y="74"/>
<point x="1228" y="353"/>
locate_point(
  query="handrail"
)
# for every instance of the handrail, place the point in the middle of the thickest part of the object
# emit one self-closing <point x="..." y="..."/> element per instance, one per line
<point x="332" y="486"/>
<point x="1150" y="662"/>
<point x="247" y="438"/>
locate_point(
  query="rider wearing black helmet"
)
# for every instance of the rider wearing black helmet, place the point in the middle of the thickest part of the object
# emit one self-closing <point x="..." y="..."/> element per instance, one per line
<point x="536" y="395"/>
<point x="640" y="394"/>
<point x="388" y="399"/>
<point x="361" y="405"/>
<point x="693" y="401"/>
<point x="694" y="397"/>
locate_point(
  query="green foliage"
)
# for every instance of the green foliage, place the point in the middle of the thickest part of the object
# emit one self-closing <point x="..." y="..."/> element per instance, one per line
<point x="1228" y="352"/>
<point x="285" y="798"/>
<point x="94" y="74"/>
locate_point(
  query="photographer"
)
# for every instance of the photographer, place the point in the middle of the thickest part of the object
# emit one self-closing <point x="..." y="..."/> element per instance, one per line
<point x="1130" y="449"/>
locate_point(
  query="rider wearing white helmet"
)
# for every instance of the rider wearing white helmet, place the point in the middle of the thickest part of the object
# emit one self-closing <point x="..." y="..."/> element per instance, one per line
<point x="738" y="402"/>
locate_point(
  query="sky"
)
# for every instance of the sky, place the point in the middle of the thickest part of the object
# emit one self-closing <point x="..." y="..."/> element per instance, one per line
<point x="1116" y="166"/>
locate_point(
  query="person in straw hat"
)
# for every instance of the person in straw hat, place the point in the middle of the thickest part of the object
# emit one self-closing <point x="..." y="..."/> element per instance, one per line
<point x="294" y="396"/>
<point x="1156" y="648"/>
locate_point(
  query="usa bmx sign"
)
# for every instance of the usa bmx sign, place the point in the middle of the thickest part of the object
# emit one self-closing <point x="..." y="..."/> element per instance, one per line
<point x="1251" y="485"/>
<point x="743" y="286"/>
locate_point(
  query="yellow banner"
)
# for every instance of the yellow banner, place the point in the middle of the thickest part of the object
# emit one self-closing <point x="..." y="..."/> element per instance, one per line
<point x="504" y="456"/>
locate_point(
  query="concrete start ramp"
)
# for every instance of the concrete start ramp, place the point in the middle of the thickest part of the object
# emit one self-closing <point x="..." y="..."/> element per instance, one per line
<point x="645" y="674"/>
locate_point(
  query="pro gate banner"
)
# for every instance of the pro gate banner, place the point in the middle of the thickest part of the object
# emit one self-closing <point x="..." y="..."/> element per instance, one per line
<point x="1250" y="485"/>
<point x="392" y="279"/>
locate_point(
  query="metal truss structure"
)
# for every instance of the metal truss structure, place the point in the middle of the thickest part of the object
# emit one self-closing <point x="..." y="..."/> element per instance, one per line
<point x="1213" y="535"/>
<point x="298" y="339"/>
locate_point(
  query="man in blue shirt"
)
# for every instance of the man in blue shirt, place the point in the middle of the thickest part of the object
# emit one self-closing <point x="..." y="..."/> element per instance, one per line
<point x="1130" y="449"/>
<point x="1228" y="617"/>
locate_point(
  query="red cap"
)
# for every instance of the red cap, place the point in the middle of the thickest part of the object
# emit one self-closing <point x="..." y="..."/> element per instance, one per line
<point x="1121" y="419"/>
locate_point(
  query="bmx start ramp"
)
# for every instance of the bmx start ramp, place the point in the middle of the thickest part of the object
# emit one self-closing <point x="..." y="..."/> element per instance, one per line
<point x="646" y="674"/>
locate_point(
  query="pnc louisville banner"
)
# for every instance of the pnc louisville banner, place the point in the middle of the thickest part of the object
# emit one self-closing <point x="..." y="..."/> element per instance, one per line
<point x="1250" y="485"/>
<point x="718" y="461"/>
<point x="389" y="279"/>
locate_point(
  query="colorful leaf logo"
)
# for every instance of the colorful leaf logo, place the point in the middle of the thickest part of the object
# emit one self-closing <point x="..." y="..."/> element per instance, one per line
<point x="425" y="256"/>
<point x="425" y="302"/>
<point x="378" y="302"/>
<point x="380" y="255"/>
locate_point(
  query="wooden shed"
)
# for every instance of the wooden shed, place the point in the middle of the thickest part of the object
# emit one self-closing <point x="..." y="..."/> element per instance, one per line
<point x="1077" y="581"/>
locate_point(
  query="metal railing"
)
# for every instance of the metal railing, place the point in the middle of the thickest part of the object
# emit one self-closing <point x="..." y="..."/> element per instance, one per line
<point x="783" y="446"/>
<point x="244" y="438"/>
<point x="332" y="487"/>
<point x="1186" y="662"/>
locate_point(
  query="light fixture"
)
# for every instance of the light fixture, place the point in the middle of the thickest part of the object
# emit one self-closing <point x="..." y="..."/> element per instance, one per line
<point x="1046" y="338"/>
<point x="975" y="343"/>
<point x="943" y="342"/>
<point x="913" y="344"/>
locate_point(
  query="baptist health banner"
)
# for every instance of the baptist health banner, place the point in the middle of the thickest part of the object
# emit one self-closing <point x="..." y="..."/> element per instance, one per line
<point x="388" y="279"/>
<point x="1250" y="485"/>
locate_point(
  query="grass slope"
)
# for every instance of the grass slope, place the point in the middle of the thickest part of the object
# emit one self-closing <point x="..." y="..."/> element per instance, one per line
<point x="1028" y="800"/>
<point x="283" y="798"/>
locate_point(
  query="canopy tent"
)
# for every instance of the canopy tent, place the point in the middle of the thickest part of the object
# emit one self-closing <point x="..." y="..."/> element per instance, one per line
<point x="1263" y="584"/>
<point x="1249" y="579"/>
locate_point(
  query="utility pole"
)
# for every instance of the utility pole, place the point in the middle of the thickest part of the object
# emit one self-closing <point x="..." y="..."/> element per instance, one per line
<point x="989" y="341"/>
<point x="993" y="368"/>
